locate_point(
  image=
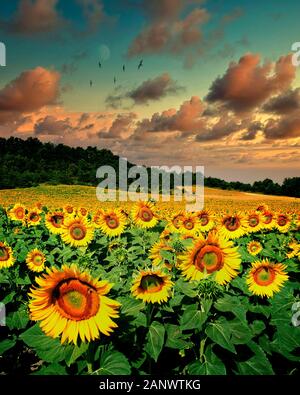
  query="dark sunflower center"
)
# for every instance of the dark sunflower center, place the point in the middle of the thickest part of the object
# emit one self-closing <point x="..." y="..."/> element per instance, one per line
<point x="69" y="209"/>
<point x="19" y="212"/>
<point x="209" y="258"/>
<point x="253" y="221"/>
<point x="204" y="220"/>
<point x="34" y="217"/>
<point x="176" y="220"/>
<point x="264" y="276"/>
<point x="189" y="225"/>
<point x="57" y="220"/>
<point x="112" y="222"/>
<point x="151" y="283"/>
<point x="146" y="214"/>
<point x="78" y="232"/>
<point x="268" y="218"/>
<point x="76" y="300"/>
<point x="38" y="260"/>
<point x="4" y="254"/>
<point x="83" y="211"/>
<point x="282" y="220"/>
<point x="231" y="223"/>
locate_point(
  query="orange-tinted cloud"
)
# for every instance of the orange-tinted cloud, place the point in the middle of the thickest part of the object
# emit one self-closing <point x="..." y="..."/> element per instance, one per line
<point x="150" y="90"/>
<point x="186" y="120"/>
<point x="35" y="16"/>
<point x="283" y="128"/>
<point x="247" y="84"/>
<point x="30" y="91"/>
<point x="166" y="30"/>
<point x="286" y="103"/>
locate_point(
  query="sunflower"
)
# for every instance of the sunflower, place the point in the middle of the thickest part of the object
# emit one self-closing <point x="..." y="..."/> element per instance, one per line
<point x="283" y="222"/>
<point x="152" y="286"/>
<point x="262" y="208"/>
<point x="96" y="219"/>
<point x="233" y="226"/>
<point x="6" y="256"/>
<point x="112" y="222"/>
<point x="54" y="221"/>
<point x="268" y="219"/>
<point x="254" y="221"/>
<point x="68" y="209"/>
<point x="77" y="231"/>
<point x="36" y="260"/>
<point x="34" y="217"/>
<point x="206" y="220"/>
<point x="165" y="235"/>
<point x="82" y="212"/>
<point x="17" y="213"/>
<point x="189" y="224"/>
<point x="70" y="303"/>
<point x="174" y="221"/>
<point x="213" y="256"/>
<point x="143" y="215"/>
<point x="156" y="256"/>
<point x="265" y="278"/>
<point x="254" y="247"/>
<point x="295" y="247"/>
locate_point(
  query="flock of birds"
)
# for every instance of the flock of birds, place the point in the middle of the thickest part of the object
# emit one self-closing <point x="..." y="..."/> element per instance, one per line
<point x="123" y="68"/>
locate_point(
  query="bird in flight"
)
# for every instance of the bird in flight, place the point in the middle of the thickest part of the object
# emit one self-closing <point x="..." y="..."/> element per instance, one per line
<point x="115" y="80"/>
<point x="100" y="65"/>
<point x="140" y="64"/>
<point x="91" y="83"/>
<point x="123" y="67"/>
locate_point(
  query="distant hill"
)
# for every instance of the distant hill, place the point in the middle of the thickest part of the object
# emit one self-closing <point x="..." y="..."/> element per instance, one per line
<point x="26" y="163"/>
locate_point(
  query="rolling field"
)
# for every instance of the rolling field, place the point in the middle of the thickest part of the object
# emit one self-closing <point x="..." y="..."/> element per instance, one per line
<point x="215" y="199"/>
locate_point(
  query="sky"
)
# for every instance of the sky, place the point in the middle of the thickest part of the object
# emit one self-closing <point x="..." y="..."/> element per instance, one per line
<point x="160" y="82"/>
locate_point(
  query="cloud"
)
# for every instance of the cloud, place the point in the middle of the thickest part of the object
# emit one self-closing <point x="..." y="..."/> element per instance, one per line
<point x="150" y="90"/>
<point x="285" y="103"/>
<point x="284" y="128"/>
<point x="223" y="127"/>
<point x="34" y="16"/>
<point x="122" y="125"/>
<point x="252" y="130"/>
<point x="49" y="125"/>
<point x="247" y="84"/>
<point x="30" y="91"/>
<point x="166" y="30"/>
<point x="93" y="11"/>
<point x="188" y="119"/>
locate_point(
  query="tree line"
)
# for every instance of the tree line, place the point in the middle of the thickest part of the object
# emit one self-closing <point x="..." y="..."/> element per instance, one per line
<point x="28" y="163"/>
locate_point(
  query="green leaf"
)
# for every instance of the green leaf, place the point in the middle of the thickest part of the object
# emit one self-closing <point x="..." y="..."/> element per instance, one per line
<point x="192" y="318"/>
<point x="6" y="344"/>
<point x="257" y="327"/>
<point x="131" y="306"/>
<point x="48" y="349"/>
<point x="8" y="298"/>
<point x="53" y="369"/>
<point x="75" y="352"/>
<point x="18" y="319"/>
<point x="212" y="365"/>
<point x="236" y="305"/>
<point x="113" y="363"/>
<point x="155" y="340"/>
<point x="256" y="365"/>
<point x="186" y="288"/>
<point x="240" y="332"/>
<point x="287" y="340"/>
<point x="176" y="339"/>
<point x="219" y="333"/>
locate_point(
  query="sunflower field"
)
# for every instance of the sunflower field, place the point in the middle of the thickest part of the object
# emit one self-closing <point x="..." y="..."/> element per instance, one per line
<point x="142" y="290"/>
